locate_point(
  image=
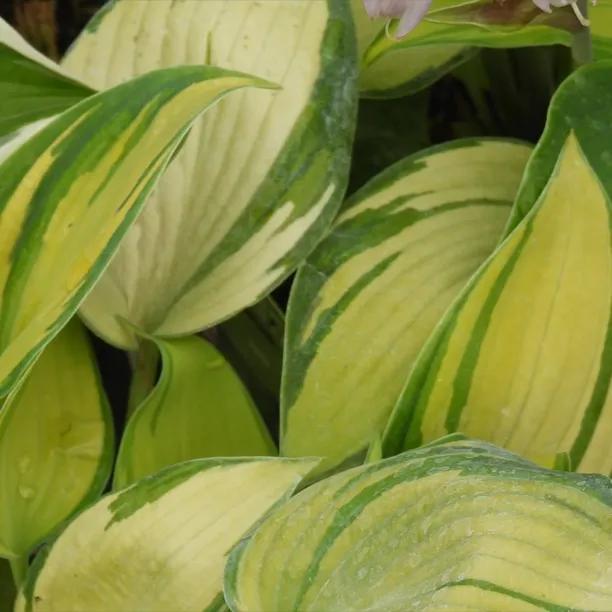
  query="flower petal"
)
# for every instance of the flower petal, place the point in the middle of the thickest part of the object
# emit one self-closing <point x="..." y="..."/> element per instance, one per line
<point x="414" y="13"/>
<point x="387" y="8"/>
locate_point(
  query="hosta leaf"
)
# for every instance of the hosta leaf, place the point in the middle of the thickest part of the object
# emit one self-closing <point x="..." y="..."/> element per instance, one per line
<point x="69" y="193"/>
<point x="223" y="229"/>
<point x="367" y="299"/>
<point x="482" y="23"/>
<point x="32" y="86"/>
<point x="11" y="142"/>
<point x="601" y="29"/>
<point x="460" y="525"/>
<point x="56" y="443"/>
<point x="404" y="71"/>
<point x="523" y="356"/>
<point x="199" y="408"/>
<point x="161" y="544"/>
<point x="252" y="341"/>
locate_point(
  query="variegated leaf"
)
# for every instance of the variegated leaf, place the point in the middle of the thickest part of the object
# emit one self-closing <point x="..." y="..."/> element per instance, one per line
<point x="199" y="408"/>
<point x="454" y="526"/>
<point x="523" y="358"/>
<point x="10" y="143"/>
<point x="32" y="86"/>
<point x="367" y="299"/>
<point x="69" y="193"/>
<point x="160" y="544"/>
<point x="221" y="230"/>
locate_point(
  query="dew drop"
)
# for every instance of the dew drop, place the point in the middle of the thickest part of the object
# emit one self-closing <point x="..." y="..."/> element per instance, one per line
<point x="26" y="492"/>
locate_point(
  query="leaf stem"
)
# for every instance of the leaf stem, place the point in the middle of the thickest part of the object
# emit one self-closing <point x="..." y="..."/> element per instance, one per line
<point x="581" y="47"/>
<point x="19" y="569"/>
<point x="144" y="364"/>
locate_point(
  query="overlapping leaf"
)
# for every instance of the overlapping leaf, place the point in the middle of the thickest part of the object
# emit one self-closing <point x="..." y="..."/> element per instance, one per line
<point x="523" y="358"/>
<point x="161" y="544"/>
<point x="459" y="525"/>
<point x="199" y="408"/>
<point x="69" y="194"/>
<point x="404" y="71"/>
<point x="481" y="23"/>
<point x="223" y="229"/>
<point x="32" y="86"/>
<point x="56" y="443"/>
<point x="367" y="299"/>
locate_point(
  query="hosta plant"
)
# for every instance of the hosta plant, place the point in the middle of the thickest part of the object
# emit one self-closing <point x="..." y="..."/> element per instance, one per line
<point x="304" y="311"/>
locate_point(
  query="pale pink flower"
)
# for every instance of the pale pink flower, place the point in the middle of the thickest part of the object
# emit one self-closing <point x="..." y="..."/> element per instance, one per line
<point x="411" y="12"/>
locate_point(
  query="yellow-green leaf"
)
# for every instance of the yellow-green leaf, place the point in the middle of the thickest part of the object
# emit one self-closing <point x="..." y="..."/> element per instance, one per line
<point x="199" y="408"/>
<point x="454" y="526"/>
<point x="523" y="357"/>
<point x="367" y="299"/>
<point x="161" y="544"/>
<point x="600" y="16"/>
<point x="222" y="229"/>
<point x="56" y="443"/>
<point x="32" y="86"/>
<point x="69" y="193"/>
